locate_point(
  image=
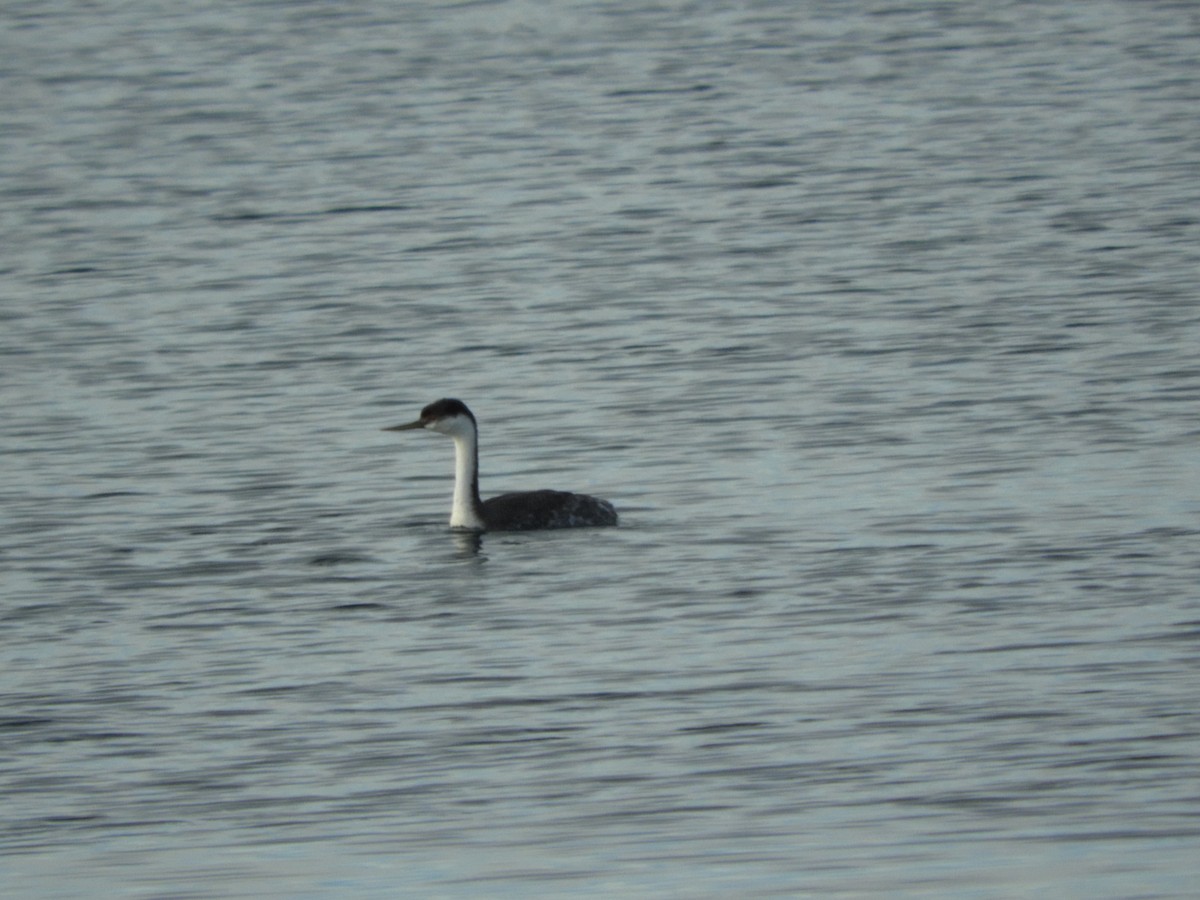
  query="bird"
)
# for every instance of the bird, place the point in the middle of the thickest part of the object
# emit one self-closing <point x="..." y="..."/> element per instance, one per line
<point x="518" y="511"/>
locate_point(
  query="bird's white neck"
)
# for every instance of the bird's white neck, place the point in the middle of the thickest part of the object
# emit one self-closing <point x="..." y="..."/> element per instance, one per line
<point x="465" y="511"/>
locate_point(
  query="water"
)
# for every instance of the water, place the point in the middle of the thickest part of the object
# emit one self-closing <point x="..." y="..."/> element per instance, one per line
<point x="878" y="326"/>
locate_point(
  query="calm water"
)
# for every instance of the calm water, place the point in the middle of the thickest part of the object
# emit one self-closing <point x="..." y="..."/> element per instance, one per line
<point x="879" y="327"/>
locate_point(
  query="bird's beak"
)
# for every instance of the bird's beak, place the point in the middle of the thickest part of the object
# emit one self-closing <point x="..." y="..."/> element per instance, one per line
<point x="409" y="427"/>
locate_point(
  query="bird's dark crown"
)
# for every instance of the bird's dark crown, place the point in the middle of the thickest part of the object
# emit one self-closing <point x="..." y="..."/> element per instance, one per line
<point x="445" y="408"/>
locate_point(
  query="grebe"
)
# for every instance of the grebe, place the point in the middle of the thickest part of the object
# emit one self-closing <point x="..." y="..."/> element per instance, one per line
<point x="520" y="511"/>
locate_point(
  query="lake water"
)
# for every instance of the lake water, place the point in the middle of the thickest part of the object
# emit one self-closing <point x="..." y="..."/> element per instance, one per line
<point x="879" y="325"/>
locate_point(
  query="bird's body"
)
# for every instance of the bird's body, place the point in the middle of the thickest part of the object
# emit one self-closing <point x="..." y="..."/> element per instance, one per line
<point x="520" y="511"/>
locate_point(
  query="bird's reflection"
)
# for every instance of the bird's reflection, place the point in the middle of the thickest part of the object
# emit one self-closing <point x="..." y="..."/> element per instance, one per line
<point x="468" y="544"/>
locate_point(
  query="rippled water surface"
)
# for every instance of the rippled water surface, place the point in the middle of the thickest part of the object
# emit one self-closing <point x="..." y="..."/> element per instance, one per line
<point x="877" y="323"/>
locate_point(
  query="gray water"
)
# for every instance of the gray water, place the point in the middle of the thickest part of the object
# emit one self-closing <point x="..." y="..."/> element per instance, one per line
<point x="878" y="323"/>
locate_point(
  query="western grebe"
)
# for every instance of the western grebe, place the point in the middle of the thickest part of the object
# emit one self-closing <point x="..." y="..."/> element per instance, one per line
<point x="520" y="511"/>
